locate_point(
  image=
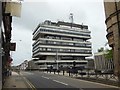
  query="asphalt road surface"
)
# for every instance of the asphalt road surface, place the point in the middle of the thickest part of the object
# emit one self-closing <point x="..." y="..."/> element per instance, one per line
<point x="47" y="81"/>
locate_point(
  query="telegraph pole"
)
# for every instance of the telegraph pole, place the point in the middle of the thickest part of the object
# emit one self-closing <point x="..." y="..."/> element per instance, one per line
<point x="57" y="58"/>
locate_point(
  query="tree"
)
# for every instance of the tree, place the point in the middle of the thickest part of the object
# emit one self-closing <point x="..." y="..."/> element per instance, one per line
<point x="109" y="54"/>
<point x="101" y="49"/>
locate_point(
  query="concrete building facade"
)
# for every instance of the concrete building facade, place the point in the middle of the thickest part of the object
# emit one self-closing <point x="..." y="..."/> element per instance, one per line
<point x="102" y="63"/>
<point x="91" y="64"/>
<point x="112" y="11"/>
<point x="61" y="43"/>
<point x="24" y="65"/>
<point x="32" y="66"/>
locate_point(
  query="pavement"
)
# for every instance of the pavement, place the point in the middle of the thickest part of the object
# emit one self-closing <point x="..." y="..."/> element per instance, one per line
<point x="15" y="81"/>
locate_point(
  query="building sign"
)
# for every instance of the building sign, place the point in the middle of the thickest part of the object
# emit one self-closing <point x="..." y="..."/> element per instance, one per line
<point x="12" y="46"/>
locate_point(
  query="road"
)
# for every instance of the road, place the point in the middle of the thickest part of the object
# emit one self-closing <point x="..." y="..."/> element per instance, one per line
<point x="41" y="80"/>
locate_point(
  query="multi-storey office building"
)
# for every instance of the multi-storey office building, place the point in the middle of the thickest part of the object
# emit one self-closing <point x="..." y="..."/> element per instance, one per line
<point x="61" y="43"/>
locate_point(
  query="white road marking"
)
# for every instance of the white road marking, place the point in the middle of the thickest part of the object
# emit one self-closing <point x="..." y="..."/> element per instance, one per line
<point x="45" y="77"/>
<point x="60" y="82"/>
<point x="28" y="73"/>
<point x="29" y="83"/>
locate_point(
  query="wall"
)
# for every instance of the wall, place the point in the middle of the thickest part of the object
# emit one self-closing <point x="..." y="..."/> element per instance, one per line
<point x="102" y="63"/>
<point x="113" y="29"/>
<point x="32" y="65"/>
<point x="0" y="47"/>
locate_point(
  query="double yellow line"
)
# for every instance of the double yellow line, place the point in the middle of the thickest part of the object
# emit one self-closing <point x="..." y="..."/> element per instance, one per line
<point x="30" y="84"/>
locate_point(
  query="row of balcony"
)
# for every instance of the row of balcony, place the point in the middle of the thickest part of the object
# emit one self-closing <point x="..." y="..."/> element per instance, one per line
<point x="58" y="33"/>
<point x="61" y="53"/>
<point x="36" y="50"/>
<point x="63" y="31"/>
<point x="58" y="28"/>
<point x="62" y="47"/>
<point x="84" y="52"/>
<point x="75" y="41"/>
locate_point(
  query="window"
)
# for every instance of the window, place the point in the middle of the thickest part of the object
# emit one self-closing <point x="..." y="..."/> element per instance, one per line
<point x="48" y="49"/>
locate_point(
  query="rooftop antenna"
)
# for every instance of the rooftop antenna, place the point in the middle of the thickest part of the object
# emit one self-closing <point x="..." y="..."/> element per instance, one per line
<point x="71" y="19"/>
<point x="82" y="26"/>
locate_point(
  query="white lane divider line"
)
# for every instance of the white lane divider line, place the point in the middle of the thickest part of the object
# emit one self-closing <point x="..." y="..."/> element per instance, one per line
<point x="45" y="77"/>
<point x="60" y="82"/>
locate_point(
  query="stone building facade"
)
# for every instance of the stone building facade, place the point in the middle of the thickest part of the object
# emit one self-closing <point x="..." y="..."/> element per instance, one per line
<point x="102" y="63"/>
<point x="112" y="11"/>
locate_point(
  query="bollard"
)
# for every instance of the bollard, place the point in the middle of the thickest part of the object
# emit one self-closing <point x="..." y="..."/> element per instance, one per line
<point x="76" y="74"/>
<point x="69" y="73"/>
<point x="63" y="72"/>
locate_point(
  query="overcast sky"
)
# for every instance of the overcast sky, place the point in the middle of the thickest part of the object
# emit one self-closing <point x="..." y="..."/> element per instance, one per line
<point x="32" y="13"/>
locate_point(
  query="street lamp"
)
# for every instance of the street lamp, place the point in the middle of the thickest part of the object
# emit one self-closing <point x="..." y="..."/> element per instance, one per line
<point x="45" y="65"/>
<point x="30" y="68"/>
<point x="57" y="58"/>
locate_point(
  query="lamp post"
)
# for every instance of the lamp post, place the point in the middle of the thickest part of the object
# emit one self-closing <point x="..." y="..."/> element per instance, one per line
<point x="106" y="59"/>
<point x="30" y="67"/>
<point x="45" y="65"/>
<point x="57" y="58"/>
